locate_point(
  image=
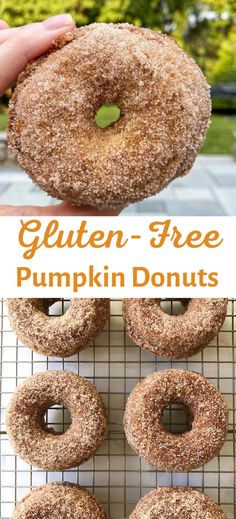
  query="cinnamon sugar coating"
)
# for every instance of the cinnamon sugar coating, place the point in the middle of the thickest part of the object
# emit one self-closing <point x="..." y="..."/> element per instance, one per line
<point x="143" y="420"/>
<point x="164" y="101"/>
<point x="174" y="336"/>
<point x="59" y="501"/>
<point x="57" y="336"/>
<point x="176" y="503"/>
<point x="39" y="445"/>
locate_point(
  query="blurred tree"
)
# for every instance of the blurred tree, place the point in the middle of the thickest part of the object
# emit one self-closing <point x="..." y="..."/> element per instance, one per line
<point x="26" y="11"/>
<point x="222" y="6"/>
<point x="209" y="25"/>
<point x="224" y="68"/>
<point x="157" y="14"/>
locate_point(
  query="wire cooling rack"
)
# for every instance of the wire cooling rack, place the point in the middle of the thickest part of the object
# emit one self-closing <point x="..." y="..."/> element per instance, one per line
<point x="116" y="475"/>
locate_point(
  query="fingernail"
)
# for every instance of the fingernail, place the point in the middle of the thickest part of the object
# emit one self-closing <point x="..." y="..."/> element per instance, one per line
<point x="61" y="20"/>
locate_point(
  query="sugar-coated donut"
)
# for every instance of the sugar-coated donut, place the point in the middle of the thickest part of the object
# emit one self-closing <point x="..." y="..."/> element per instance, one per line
<point x="174" y="336"/>
<point x="57" y="336"/>
<point x="143" y="420"/>
<point x="41" y="446"/>
<point x="61" y="501"/>
<point x="164" y="101"/>
<point x="177" y="503"/>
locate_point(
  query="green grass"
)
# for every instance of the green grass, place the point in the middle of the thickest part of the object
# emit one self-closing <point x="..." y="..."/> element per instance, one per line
<point x="3" y="122"/>
<point x="107" y="115"/>
<point x="219" y="139"/>
<point x="220" y="135"/>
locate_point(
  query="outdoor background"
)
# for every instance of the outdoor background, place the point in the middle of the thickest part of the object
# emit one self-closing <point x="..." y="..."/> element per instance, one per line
<point x="206" y="30"/>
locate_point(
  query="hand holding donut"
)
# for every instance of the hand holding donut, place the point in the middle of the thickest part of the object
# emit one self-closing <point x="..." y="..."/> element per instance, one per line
<point x="18" y="46"/>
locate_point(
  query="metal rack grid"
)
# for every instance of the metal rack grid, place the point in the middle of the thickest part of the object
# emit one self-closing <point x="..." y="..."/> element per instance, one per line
<point x="116" y="475"/>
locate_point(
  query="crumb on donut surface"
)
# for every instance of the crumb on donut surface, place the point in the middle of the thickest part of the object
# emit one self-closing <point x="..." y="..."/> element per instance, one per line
<point x="41" y="446"/>
<point x="161" y="92"/>
<point x="177" y="503"/>
<point x="59" y="501"/>
<point x="143" y="420"/>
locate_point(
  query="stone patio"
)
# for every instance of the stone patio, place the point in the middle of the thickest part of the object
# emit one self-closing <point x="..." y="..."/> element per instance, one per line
<point x="208" y="190"/>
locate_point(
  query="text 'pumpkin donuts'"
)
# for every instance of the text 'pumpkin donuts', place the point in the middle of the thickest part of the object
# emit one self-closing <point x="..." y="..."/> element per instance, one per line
<point x="40" y="445"/>
<point x="174" y="336"/>
<point x="59" y="336"/>
<point x="177" y="503"/>
<point x="165" y="108"/>
<point x="145" y="430"/>
<point x="60" y="501"/>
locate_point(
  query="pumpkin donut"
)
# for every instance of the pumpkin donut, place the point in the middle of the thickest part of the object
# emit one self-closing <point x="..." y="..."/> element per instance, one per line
<point x="143" y="420"/>
<point x="165" y="109"/>
<point x="59" y="500"/>
<point x="41" y="446"/>
<point x="176" y="503"/>
<point x="57" y="336"/>
<point x="174" y="336"/>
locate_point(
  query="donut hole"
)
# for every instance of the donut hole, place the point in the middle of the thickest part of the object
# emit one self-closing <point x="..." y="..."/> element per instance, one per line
<point x="57" y="419"/>
<point x="177" y="419"/>
<point x="107" y="115"/>
<point x="174" y="306"/>
<point x="58" y="308"/>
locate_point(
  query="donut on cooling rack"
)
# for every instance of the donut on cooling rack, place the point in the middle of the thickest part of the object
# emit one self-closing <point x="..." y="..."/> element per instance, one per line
<point x="165" y="109"/>
<point x="57" y="336"/>
<point x="184" y="503"/>
<point x="41" y="446"/>
<point x="174" y="336"/>
<point x="146" y="433"/>
<point x="59" y="500"/>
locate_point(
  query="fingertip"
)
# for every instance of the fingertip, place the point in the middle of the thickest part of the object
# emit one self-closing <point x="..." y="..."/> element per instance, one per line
<point x="62" y="209"/>
<point x="3" y="25"/>
<point x="65" y="209"/>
